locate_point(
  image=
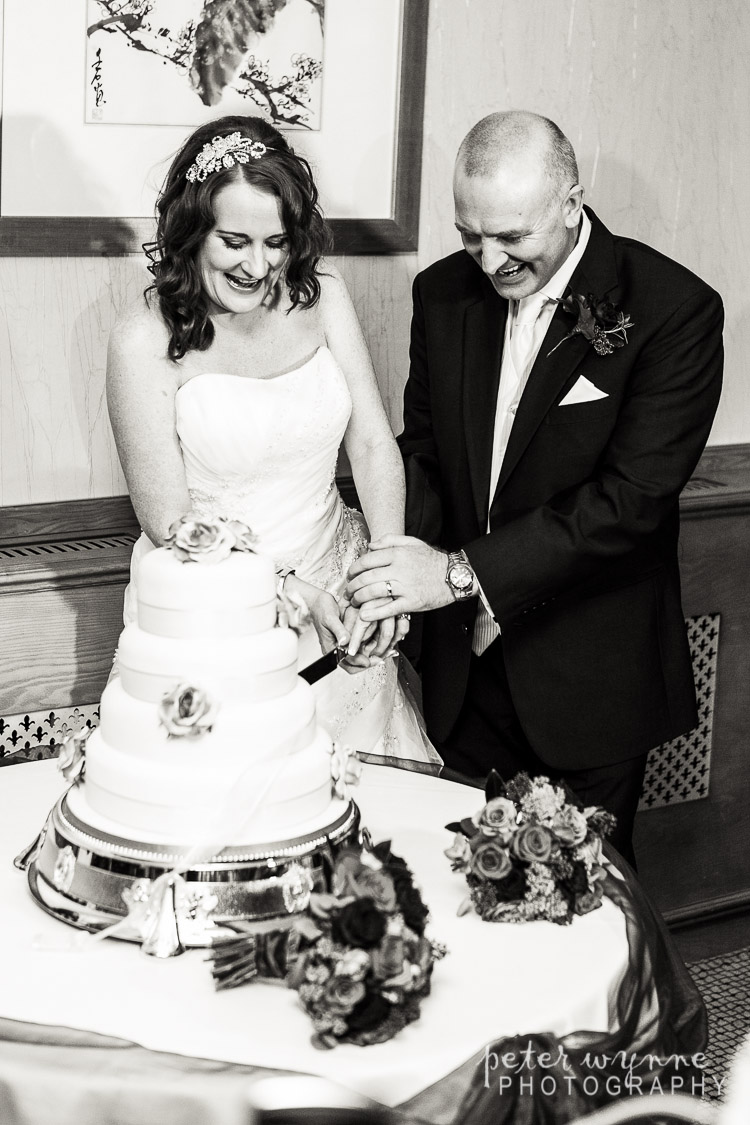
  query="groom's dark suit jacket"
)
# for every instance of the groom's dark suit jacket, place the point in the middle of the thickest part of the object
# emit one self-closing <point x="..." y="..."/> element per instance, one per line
<point x="581" y="564"/>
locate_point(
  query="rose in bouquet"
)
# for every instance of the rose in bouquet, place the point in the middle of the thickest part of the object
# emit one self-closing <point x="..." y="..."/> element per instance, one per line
<point x="358" y="958"/>
<point x="530" y="853"/>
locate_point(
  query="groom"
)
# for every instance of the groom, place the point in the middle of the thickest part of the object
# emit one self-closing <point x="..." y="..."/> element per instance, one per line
<point x="562" y="385"/>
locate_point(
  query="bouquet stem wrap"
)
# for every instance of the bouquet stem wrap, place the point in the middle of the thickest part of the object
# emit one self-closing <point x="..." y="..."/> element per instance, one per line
<point x="246" y="957"/>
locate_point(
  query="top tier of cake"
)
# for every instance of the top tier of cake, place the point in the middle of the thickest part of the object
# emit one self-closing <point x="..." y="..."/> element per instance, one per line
<point x="233" y="598"/>
<point x="208" y="625"/>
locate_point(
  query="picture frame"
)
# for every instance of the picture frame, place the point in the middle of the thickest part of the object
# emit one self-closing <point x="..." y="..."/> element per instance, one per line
<point x="396" y="231"/>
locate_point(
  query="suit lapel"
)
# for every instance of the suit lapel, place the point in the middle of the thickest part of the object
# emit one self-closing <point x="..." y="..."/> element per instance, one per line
<point x="484" y="328"/>
<point x="597" y="274"/>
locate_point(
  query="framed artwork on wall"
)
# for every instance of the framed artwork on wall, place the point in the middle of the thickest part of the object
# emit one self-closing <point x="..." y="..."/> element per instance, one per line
<point x="98" y="95"/>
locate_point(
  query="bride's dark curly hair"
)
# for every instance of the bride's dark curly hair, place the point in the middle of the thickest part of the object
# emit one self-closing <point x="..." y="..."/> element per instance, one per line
<point x="186" y="215"/>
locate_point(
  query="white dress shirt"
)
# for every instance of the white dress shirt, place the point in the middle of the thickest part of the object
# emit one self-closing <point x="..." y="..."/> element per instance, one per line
<point x="525" y="329"/>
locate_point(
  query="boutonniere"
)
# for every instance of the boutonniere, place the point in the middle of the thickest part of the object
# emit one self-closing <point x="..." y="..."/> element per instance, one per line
<point x="599" y="321"/>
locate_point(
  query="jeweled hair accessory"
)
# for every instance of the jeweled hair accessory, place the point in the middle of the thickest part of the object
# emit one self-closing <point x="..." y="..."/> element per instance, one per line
<point x="224" y="152"/>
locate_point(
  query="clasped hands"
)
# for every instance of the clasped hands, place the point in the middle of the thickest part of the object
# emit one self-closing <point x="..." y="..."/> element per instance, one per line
<point x="397" y="576"/>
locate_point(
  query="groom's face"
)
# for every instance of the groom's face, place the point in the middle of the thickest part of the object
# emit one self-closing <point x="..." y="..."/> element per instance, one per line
<point x="515" y="226"/>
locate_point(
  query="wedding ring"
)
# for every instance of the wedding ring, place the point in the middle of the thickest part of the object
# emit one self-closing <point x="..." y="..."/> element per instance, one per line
<point x="405" y="616"/>
<point x="389" y="588"/>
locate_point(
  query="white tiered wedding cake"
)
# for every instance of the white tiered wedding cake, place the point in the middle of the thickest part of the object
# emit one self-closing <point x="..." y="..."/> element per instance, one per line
<point x="208" y="723"/>
<point x="209" y="773"/>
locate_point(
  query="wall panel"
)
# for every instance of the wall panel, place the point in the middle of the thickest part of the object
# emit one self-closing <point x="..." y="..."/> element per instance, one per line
<point x="653" y="95"/>
<point x="55" y="318"/>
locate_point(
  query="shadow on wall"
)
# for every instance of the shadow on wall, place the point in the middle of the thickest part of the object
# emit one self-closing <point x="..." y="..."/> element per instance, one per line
<point x="98" y="616"/>
<point x="35" y="152"/>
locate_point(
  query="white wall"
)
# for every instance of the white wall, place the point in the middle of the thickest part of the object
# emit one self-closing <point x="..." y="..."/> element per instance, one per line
<point x="653" y="95"/>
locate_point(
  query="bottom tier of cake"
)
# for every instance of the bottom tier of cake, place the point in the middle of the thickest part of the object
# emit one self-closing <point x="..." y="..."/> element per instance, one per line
<point x="95" y="881"/>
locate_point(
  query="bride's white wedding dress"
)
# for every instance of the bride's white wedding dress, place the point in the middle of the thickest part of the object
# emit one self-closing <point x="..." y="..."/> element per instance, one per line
<point x="264" y="451"/>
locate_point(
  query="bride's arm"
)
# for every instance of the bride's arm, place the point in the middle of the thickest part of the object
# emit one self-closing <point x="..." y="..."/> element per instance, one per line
<point x="369" y="442"/>
<point x="141" y="387"/>
<point x="376" y="462"/>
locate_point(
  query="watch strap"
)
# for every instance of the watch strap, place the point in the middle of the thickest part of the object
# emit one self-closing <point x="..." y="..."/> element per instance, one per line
<point x="456" y="558"/>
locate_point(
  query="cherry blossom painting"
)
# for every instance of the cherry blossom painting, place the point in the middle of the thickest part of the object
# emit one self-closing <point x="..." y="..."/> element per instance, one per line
<point x="180" y="62"/>
<point x="116" y="85"/>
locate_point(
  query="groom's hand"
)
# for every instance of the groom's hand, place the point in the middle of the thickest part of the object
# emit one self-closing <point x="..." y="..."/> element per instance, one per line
<point x="408" y="571"/>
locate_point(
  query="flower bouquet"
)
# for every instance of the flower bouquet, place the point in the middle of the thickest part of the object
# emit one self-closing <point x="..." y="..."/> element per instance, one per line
<point x="358" y="958"/>
<point x="530" y="853"/>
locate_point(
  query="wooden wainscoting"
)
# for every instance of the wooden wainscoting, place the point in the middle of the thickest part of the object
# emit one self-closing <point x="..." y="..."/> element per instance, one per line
<point x="693" y="856"/>
<point x="63" y="570"/>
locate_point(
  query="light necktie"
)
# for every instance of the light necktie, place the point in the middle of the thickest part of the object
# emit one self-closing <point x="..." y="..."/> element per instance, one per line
<point x="522" y="332"/>
<point x="523" y="347"/>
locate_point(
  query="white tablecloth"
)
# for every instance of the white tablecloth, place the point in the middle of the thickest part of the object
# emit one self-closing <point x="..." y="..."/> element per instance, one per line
<point x="497" y="979"/>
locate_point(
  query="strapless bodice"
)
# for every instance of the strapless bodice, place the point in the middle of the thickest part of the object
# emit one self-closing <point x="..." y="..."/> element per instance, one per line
<point x="264" y="451"/>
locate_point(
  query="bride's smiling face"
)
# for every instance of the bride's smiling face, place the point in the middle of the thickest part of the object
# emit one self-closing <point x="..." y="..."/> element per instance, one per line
<point x="243" y="255"/>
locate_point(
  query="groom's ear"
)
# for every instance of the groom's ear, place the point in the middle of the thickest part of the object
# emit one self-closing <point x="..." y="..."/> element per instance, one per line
<point x="573" y="206"/>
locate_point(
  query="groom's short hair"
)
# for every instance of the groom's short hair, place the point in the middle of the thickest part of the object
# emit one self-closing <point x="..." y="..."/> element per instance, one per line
<point x="506" y="134"/>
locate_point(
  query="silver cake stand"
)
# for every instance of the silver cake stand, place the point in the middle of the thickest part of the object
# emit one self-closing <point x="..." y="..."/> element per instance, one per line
<point x="96" y="882"/>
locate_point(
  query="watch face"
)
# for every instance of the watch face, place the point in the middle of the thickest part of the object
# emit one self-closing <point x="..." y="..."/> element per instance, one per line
<point x="461" y="576"/>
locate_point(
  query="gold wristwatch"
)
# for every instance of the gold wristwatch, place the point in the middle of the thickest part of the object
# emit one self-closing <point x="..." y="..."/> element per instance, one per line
<point x="459" y="575"/>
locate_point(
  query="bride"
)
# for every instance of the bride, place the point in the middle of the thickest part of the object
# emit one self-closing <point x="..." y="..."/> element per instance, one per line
<point x="230" y="390"/>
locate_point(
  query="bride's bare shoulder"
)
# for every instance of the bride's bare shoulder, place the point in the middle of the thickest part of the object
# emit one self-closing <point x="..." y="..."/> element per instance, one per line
<point x="334" y="294"/>
<point x="329" y="276"/>
<point x="140" y="328"/>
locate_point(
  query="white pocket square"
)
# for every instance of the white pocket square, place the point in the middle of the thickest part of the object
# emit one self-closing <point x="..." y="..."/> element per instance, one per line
<point x="582" y="391"/>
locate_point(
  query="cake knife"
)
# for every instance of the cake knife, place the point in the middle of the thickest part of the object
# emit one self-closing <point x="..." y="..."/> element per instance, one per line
<point x="321" y="667"/>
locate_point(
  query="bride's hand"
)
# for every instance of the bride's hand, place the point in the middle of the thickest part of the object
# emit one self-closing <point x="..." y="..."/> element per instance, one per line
<point x="389" y="635"/>
<point x="324" y="611"/>
<point x="362" y="634"/>
<point x="355" y="660"/>
<point x="376" y="643"/>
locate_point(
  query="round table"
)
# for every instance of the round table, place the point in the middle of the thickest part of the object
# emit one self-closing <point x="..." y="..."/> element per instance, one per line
<point x="497" y="979"/>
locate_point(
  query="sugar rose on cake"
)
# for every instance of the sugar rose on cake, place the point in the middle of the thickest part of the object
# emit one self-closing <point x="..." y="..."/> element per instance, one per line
<point x="208" y="541"/>
<point x="346" y="769"/>
<point x="187" y="711"/>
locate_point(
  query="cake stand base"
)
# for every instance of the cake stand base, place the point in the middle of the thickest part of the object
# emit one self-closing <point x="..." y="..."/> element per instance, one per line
<point x="93" y="881"/>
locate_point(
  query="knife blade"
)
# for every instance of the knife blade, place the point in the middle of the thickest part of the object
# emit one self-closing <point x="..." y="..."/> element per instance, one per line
<point x="321" y="667"/>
